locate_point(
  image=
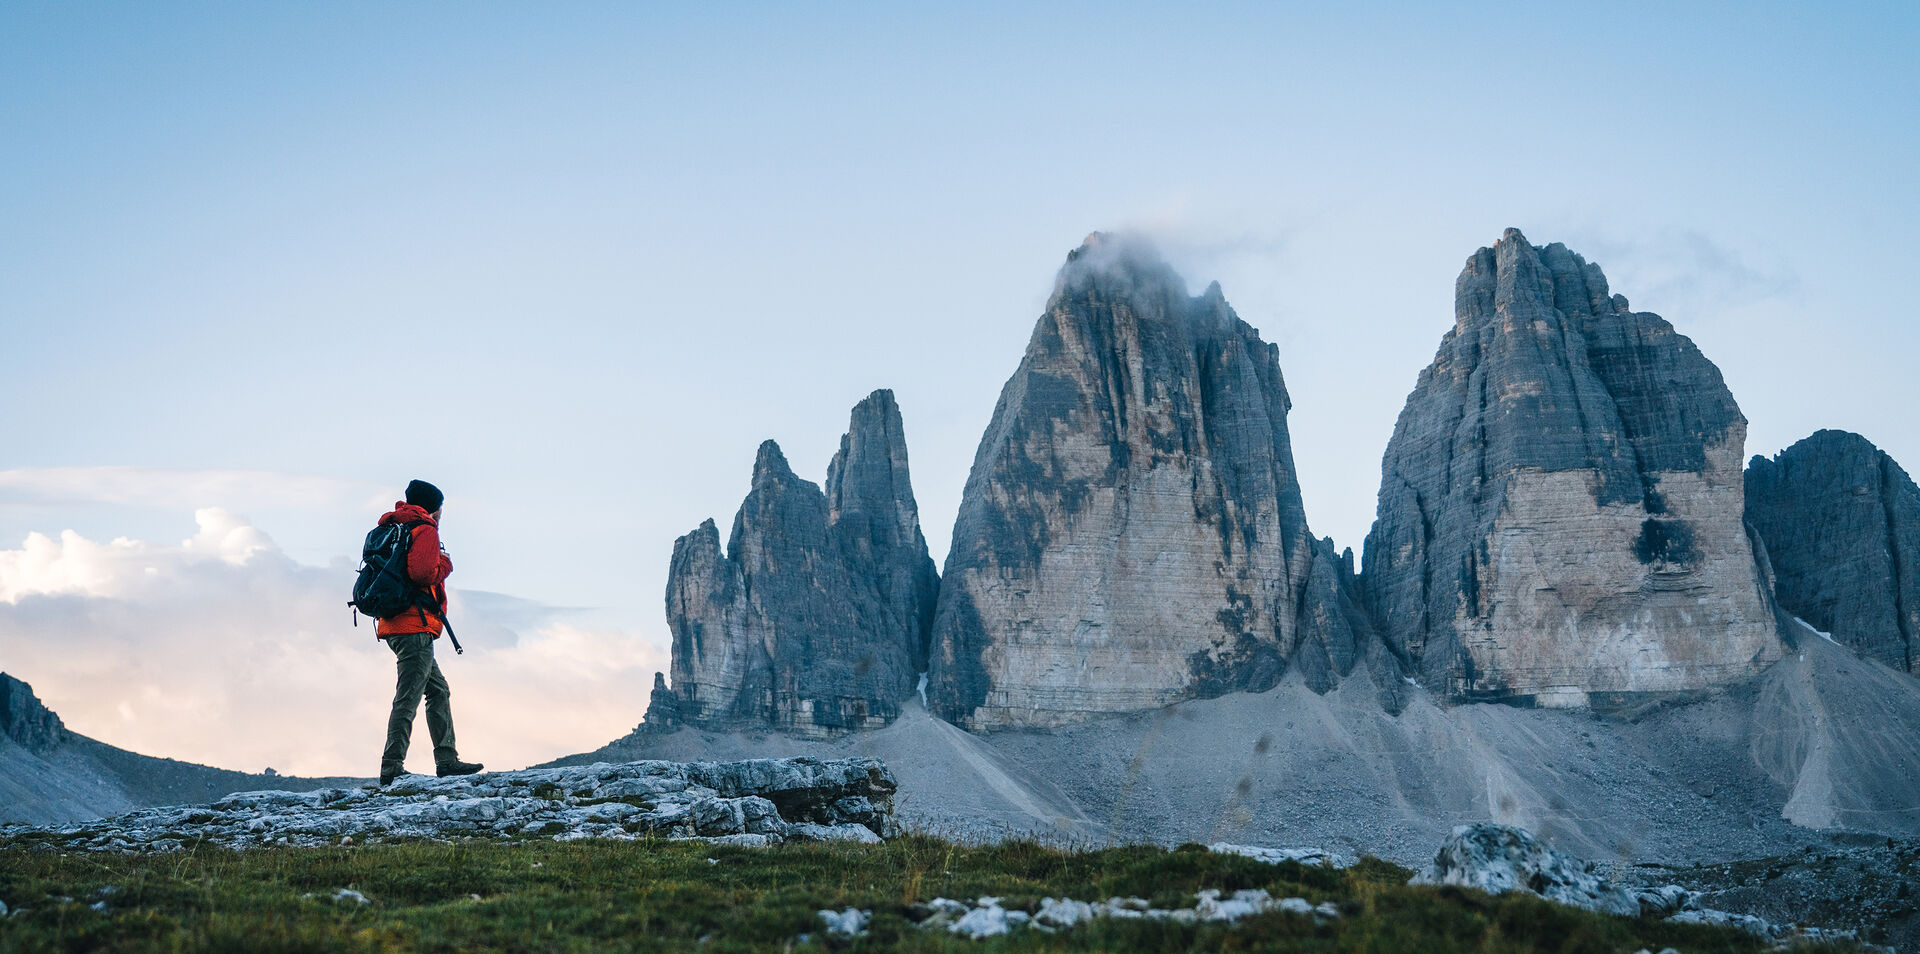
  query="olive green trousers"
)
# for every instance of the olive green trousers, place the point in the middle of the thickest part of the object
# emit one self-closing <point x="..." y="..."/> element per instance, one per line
<point x="419" y="678"/>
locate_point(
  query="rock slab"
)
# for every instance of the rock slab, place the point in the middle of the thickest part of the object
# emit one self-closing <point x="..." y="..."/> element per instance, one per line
<point x="1841" y="523"/>
<point x="815" y="617"/>
<point x="1132" y="532"/>
<point x="1561" y="514"/>
<point x="755" y="802"/>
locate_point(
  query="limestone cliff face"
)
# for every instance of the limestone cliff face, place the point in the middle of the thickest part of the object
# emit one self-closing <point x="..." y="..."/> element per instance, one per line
<point x="1561" y="503"/>
<point x="1841" y="523"/>
<point x="1132" y="532"/>
<point x="814" y="619"/>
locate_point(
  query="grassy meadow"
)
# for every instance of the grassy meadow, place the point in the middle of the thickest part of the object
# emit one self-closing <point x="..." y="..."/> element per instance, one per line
<point x="689" y="896"/>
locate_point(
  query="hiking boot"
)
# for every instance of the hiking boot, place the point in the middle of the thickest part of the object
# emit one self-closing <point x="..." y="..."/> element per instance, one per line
<point x="459" y="768"/>
<point x="386" y="778"/>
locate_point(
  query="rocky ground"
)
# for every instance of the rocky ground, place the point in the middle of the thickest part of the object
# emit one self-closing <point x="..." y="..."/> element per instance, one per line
<point x="1864" y="891"/>
<point x="761" y="804"/>
<point x="1872" y="885"/>
<point x="745" y="803"/>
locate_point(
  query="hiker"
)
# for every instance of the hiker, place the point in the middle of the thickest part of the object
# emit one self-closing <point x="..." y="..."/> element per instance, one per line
<point x="410" y="635"/>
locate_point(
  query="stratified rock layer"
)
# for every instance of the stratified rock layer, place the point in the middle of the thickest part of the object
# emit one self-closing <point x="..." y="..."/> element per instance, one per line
<point x="759" y="802"/>
<point x="814" y="619"/>
<point x="1132" y="532"/>
<point x="1841" y="522"/>
<point x="1561" y="503"/>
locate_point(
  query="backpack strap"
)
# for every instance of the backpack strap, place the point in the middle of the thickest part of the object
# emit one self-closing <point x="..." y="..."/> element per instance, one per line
<point x="425" y="601"/>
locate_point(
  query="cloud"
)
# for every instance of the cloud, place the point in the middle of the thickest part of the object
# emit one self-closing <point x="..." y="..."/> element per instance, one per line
<point x="171" y="489"/>
<point x="222" y="650"/>
<point x="1687" y="271"/>
<point x="1212" y="235"/>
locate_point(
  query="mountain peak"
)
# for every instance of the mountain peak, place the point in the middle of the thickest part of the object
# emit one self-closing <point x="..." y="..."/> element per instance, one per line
<point x="1605" y="452"/>
<point x="770" y="463"/>
<point x="1117" y="263"/>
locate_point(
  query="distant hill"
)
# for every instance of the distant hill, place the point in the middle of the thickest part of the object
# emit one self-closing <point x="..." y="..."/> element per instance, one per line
<point x="50" y="774"/>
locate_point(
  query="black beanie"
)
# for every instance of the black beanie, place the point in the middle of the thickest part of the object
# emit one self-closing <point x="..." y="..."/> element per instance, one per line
<point x="425" y="495"/>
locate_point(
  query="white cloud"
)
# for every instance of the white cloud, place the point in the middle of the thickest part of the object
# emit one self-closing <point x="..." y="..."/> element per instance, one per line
<point x="1686" y="273"/>
<point x="175" y="489"/>
<point x="222" y="650"/>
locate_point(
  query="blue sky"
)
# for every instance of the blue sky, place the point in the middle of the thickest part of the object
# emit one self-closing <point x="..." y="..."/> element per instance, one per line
<point x="574" y="264"/>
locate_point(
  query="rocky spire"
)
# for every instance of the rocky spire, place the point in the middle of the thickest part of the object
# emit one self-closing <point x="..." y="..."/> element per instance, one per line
<point x="1132" y="532"/>
<point x="24" y="719"/>
<point x="1841" y="523"/>
<point x="812" y="618"/>
<point x="1560" y="505"/>
<point x="871" y="507"/>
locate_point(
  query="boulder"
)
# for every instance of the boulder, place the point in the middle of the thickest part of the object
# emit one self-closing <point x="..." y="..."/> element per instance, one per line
<point x="1561" y="513"/>
<point x="1500" y="858"/>
<point x="1841" y="524"/>
<point x="1132" y="532"/>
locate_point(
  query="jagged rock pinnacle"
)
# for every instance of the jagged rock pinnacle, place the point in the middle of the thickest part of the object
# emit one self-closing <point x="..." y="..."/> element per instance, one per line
<point x="814" y="618"/>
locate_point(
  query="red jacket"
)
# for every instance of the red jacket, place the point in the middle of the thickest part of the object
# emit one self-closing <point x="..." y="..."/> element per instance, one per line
<point x="428" y="567"/>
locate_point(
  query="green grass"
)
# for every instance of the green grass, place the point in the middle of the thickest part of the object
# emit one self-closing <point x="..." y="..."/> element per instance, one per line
<point x="675" y="896"/>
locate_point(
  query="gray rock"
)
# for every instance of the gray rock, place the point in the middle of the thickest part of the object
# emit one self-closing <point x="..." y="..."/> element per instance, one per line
<point x="1561" y="505"/>
<point x="815" y="617"/>
<point x="24" y="720"/>
<point x="847" y="924"/>
<point x="1500" y="858"/>
<point x="756" y="802"/>
<point x="1132" y="532"/>
<point x="1661" y="901"/>
<point x="1841" y="524"/>
<point x="1758" y="927"/>
<point x="1274" y="856"/>
<point x="989" y="919"/>
<point x="986" y="918"/>
<point x="663" y="707"/>
<point x="1060" y="913"/>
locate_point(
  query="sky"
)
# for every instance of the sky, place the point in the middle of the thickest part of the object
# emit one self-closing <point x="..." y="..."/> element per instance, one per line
<point x="262" y="264"/>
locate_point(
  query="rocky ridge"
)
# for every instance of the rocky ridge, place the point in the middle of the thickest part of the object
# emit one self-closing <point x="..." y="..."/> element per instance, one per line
<point x="51" y="774"/>
<point x="25" y="720"/>
<point x="1562" y="522"/>
<point x="1562" y="502"/>
<point x="814" y="619"/>
<point x="757" y="802"/>
<point x="1132" y="532"/>
<point x="1841" y="524"/>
